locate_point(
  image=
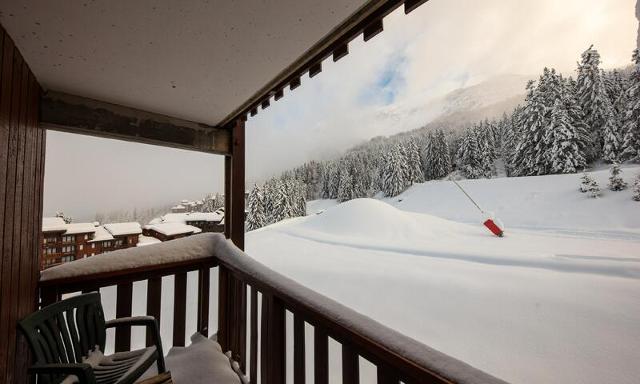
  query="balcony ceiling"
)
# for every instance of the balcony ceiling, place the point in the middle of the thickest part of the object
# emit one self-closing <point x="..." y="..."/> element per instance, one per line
<point x="191" y="59"/>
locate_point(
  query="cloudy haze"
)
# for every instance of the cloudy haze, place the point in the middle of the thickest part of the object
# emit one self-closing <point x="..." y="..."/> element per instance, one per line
<point x="442" y="46"/>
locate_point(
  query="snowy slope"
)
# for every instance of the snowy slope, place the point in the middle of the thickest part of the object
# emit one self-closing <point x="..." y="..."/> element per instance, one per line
<point x="538" y="306"/>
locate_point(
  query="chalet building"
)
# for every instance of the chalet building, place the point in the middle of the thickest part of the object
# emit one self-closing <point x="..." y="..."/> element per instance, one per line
<point x="67" y="242"/>
<point x="169" y="231"/>
<point x="64" y="242"/>
<point x="205" y="221"/>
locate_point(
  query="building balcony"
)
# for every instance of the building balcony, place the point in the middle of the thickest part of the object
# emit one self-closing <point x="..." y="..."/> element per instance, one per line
<point x="212" y="287"/>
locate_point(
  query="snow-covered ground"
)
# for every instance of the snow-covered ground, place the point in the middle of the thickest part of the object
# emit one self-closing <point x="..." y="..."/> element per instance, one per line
<point x="556" y="300"/>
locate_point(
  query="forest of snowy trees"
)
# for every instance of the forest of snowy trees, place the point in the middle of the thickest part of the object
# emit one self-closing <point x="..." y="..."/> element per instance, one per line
<point x="563" y="125"/>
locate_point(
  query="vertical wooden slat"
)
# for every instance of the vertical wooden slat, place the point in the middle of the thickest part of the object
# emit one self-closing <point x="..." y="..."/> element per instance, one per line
<point x="179" y="308"/>
<point x="350" y="365"/>
<point x="241" y="323"/>
<point x="320" y="356"/>
<point x="298" y="350"/>
<point x="223" y="315"/>
<point x="124" y="295"/>
<point x="25" y="245"/>
<point x="11" y="252"/>
<point x="253" y="360"/>
<point x="386" y="375"/>
<point x="203" y="301"/>
<point x="154" y="299"/>
<point x="273" y="352"/>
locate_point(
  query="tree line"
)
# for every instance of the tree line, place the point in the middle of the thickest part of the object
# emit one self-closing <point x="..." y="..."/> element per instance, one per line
<point x="563" y="125"/>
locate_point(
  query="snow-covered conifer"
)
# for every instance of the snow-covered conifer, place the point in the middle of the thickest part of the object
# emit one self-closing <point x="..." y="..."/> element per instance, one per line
<point x="256" y="217"/>
<point x="345" y="187"/>
<point x="394" y="181"/>
<point x="594" y="100"/>
<point x="585" y="182"/>
<point x="565" y="155"/>
<point x="636" y="189"/>
<point x="630" y="149"/>
<point x="594" y="189"/>
<point x="616" y="183"/>
<point x="414" y="172"/>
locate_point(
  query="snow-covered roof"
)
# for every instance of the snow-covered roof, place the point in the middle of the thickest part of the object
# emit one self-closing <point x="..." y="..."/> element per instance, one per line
<point x="52" y="224"/>
<point x="184" y="217"/>
<point x="147" y="240"/>
<point x="121" y="229"/>
<point x="76" y="228"/>
<point x="179" y="206"/>
<point x="172" y="229"/>
<point x="101" y="234"/>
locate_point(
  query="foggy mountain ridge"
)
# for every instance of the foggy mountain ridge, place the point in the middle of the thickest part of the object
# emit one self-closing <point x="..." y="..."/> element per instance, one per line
<point x="463" y="107"/>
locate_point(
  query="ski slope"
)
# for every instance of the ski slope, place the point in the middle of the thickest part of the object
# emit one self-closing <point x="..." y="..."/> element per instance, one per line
<point x="557" y="300"/>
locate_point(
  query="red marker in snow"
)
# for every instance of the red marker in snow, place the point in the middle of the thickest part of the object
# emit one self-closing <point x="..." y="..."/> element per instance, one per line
<point x="493" y="227"/>
<point x="489" y="223"/>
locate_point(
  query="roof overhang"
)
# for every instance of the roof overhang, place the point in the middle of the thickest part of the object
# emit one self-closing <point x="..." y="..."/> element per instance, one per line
<point x="202" y="65"/>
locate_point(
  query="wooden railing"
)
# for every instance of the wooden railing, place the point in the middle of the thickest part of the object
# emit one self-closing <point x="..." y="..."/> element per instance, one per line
<point x="252" y="305"/>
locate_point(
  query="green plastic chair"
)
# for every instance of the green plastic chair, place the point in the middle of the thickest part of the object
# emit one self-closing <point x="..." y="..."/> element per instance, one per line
<point x="67" y="339"/>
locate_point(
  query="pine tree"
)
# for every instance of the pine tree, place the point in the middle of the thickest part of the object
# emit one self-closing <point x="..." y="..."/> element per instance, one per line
<point x="594" y="100"/>
<point x="414" y="172"/>
<point x="393" y="174"/>
<point x="631" y="140"/>
<point x="528" y="159"/>
<point x="345" y="187"/>
<point x="636" y="189"/>
<point x="594" y="189"/>
<point x="565" y="155"/>
<point x="256" y="217"/>
<point x="616" y="183"/>
<point x="585" y="183"/>
<point x="470" y="156"/>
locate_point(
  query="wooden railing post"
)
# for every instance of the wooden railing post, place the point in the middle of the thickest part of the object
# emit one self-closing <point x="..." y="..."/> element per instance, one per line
<point x="223" y="308"/>
<point x="124" y="295"/>
<point x="273" y="346"/>
<point x="203" y="301"/>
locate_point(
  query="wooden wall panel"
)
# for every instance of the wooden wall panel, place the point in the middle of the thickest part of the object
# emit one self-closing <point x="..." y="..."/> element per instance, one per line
<point x="22" y="147"/>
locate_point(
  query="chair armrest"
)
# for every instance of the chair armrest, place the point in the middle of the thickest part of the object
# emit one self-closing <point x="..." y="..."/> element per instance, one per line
<point x="82" y="371"/>
<point x="148" y="321"/>
<point x="151" y="324"/>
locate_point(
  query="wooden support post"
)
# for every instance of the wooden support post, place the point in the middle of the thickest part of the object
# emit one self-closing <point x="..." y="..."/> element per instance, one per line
<point x="234" y="187"/>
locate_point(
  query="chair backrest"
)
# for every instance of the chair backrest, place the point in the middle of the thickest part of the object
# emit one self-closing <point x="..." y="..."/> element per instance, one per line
<point x="66" y="331"/>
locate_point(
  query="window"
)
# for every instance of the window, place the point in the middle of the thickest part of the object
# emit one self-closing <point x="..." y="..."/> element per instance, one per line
<point x="86" y="237"/>
<point x="81" y="247"/>
<point x="93" y="245"/>
<point x="66" y="259"/>
<point x="68" y="239"/>
<point x="106" y="244"/>
<point x="50" y="251"/>
<point x="119" y="242"/>
<point x="68" y="249"/>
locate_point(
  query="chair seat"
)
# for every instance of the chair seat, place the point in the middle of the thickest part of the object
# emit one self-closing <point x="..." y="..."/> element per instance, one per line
<point x="119" y="368"/>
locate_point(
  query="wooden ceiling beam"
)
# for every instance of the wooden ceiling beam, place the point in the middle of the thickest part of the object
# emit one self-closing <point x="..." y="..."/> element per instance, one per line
<point x="75" y="114"/>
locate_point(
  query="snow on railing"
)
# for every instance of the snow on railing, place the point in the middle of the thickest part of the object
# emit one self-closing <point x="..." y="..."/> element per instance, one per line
<point x="247" y="287"/>
<point x="180" y="250"/>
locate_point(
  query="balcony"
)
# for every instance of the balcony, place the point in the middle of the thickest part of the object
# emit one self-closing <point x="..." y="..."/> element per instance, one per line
<point x="257" y="314"/>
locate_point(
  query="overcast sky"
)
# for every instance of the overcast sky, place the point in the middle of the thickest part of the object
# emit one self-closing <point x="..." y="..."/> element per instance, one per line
<point x="442" y="46"/>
